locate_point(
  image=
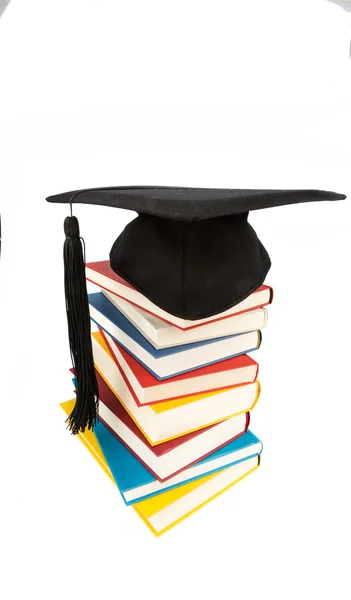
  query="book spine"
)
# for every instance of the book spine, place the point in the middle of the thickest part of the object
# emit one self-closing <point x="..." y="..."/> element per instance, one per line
<point x="257" y="370"/>
<point x="271" y="295"/>
<point x="257" y="397"/>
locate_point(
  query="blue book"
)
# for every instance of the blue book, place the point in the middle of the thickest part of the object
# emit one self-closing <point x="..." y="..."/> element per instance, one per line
<point x="166" y="362"/>
<point x="136" y="483"/>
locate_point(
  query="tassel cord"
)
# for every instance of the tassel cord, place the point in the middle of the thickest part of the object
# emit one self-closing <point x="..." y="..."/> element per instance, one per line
<point x="85" y="411"/>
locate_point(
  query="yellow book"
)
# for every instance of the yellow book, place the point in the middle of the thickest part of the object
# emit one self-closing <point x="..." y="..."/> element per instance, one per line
<point x="162" y="512"/>
<point x="171" y="419"/>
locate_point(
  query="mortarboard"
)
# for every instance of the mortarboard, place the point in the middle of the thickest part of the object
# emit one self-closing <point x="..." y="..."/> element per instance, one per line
<point x="191" y="251"/>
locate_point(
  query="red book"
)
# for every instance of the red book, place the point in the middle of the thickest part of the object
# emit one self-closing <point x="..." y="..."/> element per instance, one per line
<point x="101" y="274"/>
<point x="147" y="389"/>
<point x="169" y="458"/>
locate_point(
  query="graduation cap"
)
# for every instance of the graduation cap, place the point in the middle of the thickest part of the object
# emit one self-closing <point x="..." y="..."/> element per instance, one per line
<point x="191" y="251"/>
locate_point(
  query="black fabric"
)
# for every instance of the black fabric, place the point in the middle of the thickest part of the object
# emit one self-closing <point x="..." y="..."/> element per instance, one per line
<point x="191" y="270"/>
<point x="188" y="204"/>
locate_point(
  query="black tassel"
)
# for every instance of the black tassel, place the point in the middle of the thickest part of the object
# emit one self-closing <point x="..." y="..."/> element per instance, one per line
<point x="85" y="412"/>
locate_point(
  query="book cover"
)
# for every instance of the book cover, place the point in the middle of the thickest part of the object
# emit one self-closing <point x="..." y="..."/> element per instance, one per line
<point x="164" y="335"/>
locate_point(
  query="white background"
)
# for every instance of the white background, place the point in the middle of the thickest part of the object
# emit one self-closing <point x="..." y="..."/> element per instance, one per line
<point x="227" y="94"/>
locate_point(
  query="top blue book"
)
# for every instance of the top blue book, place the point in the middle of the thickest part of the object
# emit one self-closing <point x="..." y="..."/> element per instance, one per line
<point x="163" y="334"/>
<point x="166" y="362"/>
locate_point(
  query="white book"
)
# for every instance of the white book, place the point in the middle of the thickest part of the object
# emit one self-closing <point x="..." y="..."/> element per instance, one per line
<point x="163" y="335"/>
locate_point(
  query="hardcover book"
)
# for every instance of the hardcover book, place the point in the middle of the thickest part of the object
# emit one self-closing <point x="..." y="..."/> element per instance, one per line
<point x="162" y="512"/>
<point x="136" y="483"/>
<point x="164" y="335"/>
<point x="167" y="362"/>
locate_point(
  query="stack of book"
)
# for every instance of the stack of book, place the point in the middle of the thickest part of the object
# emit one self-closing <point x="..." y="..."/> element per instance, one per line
<point x="175" y="398"/>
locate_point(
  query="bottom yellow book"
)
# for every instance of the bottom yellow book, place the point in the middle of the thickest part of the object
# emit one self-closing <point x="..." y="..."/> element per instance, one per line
<point x="164" y="511"/>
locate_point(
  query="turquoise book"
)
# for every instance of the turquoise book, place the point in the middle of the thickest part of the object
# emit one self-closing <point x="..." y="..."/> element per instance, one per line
<point x="136" y="483"/>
